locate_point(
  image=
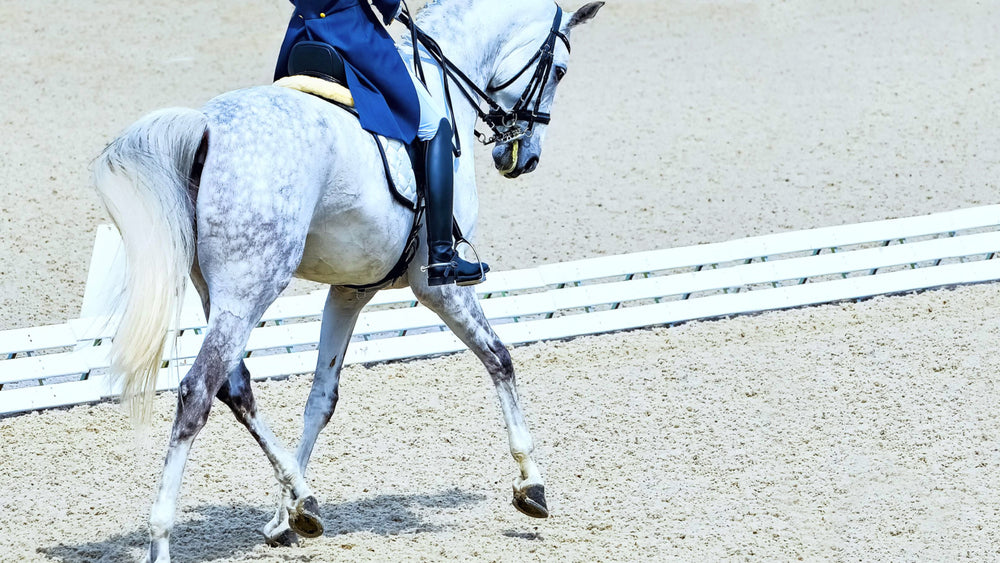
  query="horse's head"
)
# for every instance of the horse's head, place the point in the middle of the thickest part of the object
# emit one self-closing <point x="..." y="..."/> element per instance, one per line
<point x="530" y="66"/>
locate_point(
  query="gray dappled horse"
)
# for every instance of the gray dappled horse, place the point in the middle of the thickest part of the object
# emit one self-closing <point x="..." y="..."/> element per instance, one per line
<point x="290" y="185"/>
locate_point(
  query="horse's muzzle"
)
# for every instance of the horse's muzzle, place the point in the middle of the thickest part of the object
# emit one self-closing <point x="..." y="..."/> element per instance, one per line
<point x="513" y="159"/>
<point x="505" y="158"/>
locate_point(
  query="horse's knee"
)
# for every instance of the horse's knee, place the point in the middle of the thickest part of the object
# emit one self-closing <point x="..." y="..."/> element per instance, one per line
<point x="320" y="407"/>
<point x="500" y="364"/>
<point x="331" y="404"/>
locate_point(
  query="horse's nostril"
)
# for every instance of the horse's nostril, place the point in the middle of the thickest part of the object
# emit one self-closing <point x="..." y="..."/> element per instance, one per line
<point x="531" y="164"/>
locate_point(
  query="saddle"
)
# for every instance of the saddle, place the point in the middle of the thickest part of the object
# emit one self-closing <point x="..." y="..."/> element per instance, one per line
<point x="318" y="69"/>
<point x="315" y="58"/>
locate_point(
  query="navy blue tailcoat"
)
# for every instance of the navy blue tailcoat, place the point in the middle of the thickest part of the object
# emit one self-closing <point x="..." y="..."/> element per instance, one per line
<point x="383" y="91"/>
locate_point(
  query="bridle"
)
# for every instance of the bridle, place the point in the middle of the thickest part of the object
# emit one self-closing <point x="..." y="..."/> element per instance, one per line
<point x="502" y="122"/>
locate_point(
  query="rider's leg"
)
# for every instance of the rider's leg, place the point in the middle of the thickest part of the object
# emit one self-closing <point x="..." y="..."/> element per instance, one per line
<point x="444" y="264"/>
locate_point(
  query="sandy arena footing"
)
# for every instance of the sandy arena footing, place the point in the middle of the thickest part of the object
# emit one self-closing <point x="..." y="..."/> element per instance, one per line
<point x="863" y="431"/>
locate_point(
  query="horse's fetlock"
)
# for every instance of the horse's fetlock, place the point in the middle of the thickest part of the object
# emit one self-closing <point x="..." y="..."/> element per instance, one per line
<point x="521" y="448"/>
<point x="159" y="526"/>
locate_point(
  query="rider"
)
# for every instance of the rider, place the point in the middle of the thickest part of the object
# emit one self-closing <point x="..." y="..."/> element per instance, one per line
<point x="390" y="102"/>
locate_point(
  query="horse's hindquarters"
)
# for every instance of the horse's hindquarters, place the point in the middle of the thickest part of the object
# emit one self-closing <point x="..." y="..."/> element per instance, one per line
<point x="301" y="182"/>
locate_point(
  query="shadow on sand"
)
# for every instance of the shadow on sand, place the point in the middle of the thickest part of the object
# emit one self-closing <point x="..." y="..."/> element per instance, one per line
<point x="207" y="533"/>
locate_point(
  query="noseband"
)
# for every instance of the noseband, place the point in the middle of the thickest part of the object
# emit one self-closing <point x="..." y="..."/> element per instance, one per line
<point x="503" y="123"/>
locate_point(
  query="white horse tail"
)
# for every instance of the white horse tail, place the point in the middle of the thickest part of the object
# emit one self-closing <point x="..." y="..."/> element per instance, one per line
<point x="143" y="179"/>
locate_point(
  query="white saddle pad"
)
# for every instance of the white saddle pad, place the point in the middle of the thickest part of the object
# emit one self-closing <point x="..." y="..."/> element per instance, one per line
<point x="400" y="169"/>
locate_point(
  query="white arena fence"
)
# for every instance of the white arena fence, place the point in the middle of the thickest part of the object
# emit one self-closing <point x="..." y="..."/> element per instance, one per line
<point x="67" y="364"/>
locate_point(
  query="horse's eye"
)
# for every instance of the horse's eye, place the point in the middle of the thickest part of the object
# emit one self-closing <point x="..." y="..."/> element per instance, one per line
<point x="560" y="73"/>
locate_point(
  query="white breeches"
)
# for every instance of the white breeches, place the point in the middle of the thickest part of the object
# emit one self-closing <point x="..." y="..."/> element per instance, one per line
<point x="432" y="111"/>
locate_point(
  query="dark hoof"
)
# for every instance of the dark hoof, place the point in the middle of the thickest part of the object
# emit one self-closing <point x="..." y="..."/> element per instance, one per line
<point x="286" y="539"/>
<point x="306" y="521"/>
<point x="531" y="501"/>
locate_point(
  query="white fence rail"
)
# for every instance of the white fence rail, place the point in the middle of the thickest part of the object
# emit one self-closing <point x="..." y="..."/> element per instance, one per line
<point x="67" y="364"/>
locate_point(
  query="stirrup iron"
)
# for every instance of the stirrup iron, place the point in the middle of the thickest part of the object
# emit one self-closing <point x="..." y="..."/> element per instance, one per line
<point x="482" y="271"/>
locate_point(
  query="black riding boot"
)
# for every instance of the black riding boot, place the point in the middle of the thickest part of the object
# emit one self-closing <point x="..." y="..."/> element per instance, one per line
<point x="444" y="265"/>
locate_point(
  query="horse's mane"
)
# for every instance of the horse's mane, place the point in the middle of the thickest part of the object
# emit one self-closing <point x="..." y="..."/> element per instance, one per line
<point x="436" y="11"/>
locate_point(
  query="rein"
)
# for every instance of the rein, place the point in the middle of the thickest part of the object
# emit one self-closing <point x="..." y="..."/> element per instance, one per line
<point x="502" y="122"/>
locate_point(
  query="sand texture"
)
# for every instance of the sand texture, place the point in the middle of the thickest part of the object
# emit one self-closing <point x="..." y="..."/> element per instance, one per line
<point x="862" y="431"/>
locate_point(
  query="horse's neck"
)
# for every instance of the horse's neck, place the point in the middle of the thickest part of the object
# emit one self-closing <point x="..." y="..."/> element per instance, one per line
<point x="466" y="36"/>
<point x="472" y="34"/>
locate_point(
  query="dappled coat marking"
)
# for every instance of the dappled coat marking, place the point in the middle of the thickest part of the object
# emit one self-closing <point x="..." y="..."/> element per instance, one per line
<point x="292" y="185"/>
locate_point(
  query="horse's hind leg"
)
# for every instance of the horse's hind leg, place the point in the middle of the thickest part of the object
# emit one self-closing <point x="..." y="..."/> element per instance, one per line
<point x="235" y="310"/>
<point x="237" y="394"/>
<point x="460" y="310"/>
<point x="220" y="354"/>
<point x="296" y="495"/>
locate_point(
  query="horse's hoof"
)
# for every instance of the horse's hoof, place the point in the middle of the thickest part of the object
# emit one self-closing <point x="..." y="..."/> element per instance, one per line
<point x="305" y="519"/>
<point x="284" y="539"/>
<point x="531" y="501"/>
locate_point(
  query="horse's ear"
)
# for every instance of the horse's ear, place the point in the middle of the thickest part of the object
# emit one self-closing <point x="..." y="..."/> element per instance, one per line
<point x="585" y="14"/>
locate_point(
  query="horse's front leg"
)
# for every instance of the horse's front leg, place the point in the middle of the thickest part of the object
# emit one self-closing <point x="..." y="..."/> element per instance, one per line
<point x="297" y="514"/>
<point x="460" y="310"/>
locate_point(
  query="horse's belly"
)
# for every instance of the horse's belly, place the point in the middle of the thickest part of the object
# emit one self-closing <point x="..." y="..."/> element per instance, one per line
<point x="355" y="251"/>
